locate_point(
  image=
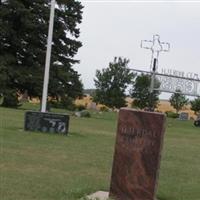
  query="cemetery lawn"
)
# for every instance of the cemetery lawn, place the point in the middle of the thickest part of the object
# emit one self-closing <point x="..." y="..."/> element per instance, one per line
<point x="39" y="166"/>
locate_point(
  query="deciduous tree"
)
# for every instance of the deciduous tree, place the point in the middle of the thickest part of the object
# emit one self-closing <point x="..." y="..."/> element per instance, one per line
<point x="178" y="100"/>
<point x="141" y="94"/>
<point x="111" y="83"/>
<point x="195" y="105"/>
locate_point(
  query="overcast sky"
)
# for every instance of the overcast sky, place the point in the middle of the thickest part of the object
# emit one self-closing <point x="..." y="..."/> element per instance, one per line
<point x="116" y="28"/>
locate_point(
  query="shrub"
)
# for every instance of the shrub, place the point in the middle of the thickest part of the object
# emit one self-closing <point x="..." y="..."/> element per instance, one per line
<point x="80" y="107"/>
<point x="85" y="113"/>
<point x="10" y="99"/>
<point x="171" y="114"/>
<point x="55" y="104"/>
<point x="103" y="108"/>
<point x="65" y="103"/>
<point x="71" y="107"/>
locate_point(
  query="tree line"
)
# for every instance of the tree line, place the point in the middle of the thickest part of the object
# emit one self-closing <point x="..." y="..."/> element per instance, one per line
<point x="112" y="83"/>
<point x="23" y="38"/>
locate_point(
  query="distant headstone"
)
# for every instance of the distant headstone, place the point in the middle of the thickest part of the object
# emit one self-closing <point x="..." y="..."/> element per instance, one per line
<point x="100" y="195"/>
<point x="137" y="155"/>
<point x="92" y="106"/>
<point x="46" y="122"/>
<point x="78" y="114"/>
<point x="183" y="116"/>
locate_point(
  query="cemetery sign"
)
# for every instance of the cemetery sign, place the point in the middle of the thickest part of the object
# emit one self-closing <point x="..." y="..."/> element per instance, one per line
<point x="173" y="80"/>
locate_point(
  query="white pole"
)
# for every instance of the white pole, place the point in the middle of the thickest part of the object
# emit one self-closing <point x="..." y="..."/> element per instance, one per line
<point x="48" y="57"/>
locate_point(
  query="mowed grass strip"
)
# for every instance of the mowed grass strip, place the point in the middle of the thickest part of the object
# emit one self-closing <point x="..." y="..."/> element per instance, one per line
<point x="43" y="166"/>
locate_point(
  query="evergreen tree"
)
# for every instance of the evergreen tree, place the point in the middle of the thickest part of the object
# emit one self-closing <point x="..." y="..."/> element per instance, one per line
<point x="111" y="83"/>
<point x="23" y="38"/>
<point x="178" y="100"/>
<point x="143" y="98"/>
<point x="195" y="105"/>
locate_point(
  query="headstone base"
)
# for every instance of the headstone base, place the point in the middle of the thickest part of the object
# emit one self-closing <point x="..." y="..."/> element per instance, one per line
<point x="100" y="195"/>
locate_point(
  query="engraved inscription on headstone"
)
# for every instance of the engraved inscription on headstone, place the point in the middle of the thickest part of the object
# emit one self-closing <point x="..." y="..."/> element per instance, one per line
<point x="137" y="155"/>
<point x="46" y="122"/>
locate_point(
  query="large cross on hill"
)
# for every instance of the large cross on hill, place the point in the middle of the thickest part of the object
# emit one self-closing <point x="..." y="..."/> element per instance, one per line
<point x="156" y="47"/>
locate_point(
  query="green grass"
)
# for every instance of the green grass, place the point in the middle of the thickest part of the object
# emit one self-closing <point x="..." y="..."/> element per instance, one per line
<point x="39" y="166"/>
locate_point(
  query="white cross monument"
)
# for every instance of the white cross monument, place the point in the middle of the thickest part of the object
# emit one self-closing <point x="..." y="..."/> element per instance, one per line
<point x="156" y="47"/>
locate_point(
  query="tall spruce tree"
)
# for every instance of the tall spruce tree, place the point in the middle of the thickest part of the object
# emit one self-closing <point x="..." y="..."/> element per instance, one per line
<point x="23" y="38"/>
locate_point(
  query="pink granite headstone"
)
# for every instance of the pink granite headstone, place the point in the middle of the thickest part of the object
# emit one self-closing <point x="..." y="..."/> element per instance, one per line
<point x="137" y="155"/>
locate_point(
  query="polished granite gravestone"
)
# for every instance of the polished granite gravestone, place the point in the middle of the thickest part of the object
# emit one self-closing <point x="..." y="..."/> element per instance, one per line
<point x="137" y="155"/>
<point x="46" y="122"/>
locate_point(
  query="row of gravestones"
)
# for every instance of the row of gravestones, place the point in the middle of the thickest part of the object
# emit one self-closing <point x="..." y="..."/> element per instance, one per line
<point x="56" y="123"/>
<point x="137" y="149"/>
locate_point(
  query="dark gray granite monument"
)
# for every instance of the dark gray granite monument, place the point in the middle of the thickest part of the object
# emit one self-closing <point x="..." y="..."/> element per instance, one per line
<point x="46" y="122"/>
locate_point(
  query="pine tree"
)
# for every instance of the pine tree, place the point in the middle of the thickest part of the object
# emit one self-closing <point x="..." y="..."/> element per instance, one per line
<point x="23" y="38"/>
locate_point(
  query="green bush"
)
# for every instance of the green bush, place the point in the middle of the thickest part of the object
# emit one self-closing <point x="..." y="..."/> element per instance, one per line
<point x="80" y="107"/>
<point x="171" y="114"/>
<point x="55" y="104"/>
<point x="85" y="113"/>
<point x="65" y="103"/>
<point x="103" y="109"/>
<point x="1" y="98"/>
<point x="10" y="99"/>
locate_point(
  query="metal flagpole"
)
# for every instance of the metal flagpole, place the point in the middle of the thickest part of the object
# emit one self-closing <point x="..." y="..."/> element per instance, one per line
<point x="48" y="57"/>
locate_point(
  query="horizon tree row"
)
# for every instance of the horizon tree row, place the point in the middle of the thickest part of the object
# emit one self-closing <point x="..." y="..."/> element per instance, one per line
<point x="113" y="82"/>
